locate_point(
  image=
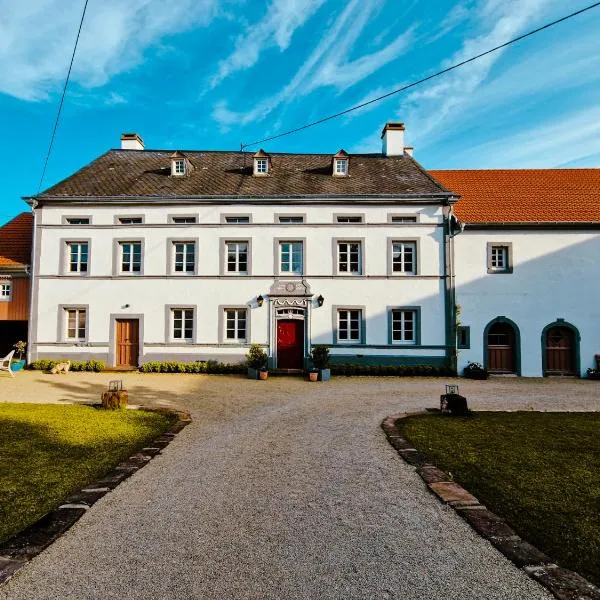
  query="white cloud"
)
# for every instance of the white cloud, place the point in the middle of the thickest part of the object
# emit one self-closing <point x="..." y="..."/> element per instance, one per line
<point x="282" y="19"/>
<point x="37" y="36"/>
<point x="572" y="139"/>
<point x="327" y="65"/>
<point x="498" y="21"/>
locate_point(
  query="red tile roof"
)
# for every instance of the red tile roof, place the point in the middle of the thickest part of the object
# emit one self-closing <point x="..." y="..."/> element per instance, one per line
<point x="524" y="195"/>
<point x="15" y="241"/>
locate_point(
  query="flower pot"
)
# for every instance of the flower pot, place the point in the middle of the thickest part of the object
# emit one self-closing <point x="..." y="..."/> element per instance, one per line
<point x="313" y="376"/>
<point x="252" y="373"/>
<point x="324" y="374"/>
<point x="17" y="365"/>
<point x="262" y="375"/>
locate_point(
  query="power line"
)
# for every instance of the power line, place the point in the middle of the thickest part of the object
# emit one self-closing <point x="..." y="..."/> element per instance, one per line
<point x="428" y="78"/>
<point x="62" y="100"/>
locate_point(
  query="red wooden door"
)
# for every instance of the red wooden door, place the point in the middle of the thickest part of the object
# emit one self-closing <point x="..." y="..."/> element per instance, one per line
<point x="290" y="344"/>
<point x="560" y="351"/>
<point x="501" y="348"/>
<point x="127" y="342"/>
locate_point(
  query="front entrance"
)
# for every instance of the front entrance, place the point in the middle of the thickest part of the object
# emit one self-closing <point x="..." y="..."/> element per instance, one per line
<point x="128" y="342"/>
<point x="501" y="348"/>
<point x="290" y="344"/>
<point x="559" y="346"/>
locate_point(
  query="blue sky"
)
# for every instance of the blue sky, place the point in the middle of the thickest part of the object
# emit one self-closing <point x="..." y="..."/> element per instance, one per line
<point x="209" y="74"/>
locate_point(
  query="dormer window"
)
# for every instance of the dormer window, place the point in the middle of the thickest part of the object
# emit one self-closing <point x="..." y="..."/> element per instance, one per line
<point x="261" y="163"/>
<point x="180" y="165"/>
<point x="340" y="164"/>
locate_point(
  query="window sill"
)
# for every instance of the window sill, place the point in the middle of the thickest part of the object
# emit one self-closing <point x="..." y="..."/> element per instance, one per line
<point x="500" y="271"/>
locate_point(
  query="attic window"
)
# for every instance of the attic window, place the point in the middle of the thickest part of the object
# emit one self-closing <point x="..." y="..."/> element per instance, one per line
<point x="340" y="164"/>
<point x="179" y="167"/>
<point x="261" y="163"/>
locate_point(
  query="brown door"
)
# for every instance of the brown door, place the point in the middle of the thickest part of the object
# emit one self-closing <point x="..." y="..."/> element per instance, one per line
<point x="290" y="344"/>
<point x="501" y="348"/>
<point x="127" y="342"/>
<point x="560" y="351"/>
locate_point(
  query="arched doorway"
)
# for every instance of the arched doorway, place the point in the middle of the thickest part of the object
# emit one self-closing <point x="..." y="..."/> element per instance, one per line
<point x="501" y="340"/>
<point x="560" y="349"/>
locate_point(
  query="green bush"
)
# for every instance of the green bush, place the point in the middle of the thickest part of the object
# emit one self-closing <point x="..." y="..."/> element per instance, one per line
<point x="320" y="356"/>
<point x="210" y="367"/>
<point x="257" y="357"/>
<point x="350" y="370"/>
<point x="46" y="364"/>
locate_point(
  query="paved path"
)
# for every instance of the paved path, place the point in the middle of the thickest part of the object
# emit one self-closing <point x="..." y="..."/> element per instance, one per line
<point x="282" y="490"/>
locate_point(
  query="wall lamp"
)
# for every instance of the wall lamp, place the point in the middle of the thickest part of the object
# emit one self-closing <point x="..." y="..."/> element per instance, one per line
<point x="320" y="300"/>
<point x="260" y="300"/>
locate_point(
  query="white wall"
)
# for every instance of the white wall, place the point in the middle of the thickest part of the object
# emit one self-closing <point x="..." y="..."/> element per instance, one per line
<point x="556" y="275"/>
<point x="148" y="295"/>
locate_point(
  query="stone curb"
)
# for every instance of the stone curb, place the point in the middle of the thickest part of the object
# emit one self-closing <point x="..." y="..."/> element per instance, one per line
<point x="18" y="550"/>
<point x="562" y="583"/>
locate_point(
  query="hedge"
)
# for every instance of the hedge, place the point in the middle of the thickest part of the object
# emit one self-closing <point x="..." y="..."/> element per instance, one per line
<point x="392" y="370"/>
<point x="46" y="364"/>
<point x="211" y="367"/>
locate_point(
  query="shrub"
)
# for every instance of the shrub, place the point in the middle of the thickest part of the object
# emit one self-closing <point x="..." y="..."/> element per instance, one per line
<point x="257" y="357"/>
<point x="475" y="371"/>
<point x="211" y="367"/>
<point x="320" y="356"/>
<point x="46" y="364"/>
<point x="350" y="370"/>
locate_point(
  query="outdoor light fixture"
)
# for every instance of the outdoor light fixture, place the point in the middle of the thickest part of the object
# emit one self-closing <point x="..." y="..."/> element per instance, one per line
<point x="260" y="300"/>
<point x="320" y="300"/>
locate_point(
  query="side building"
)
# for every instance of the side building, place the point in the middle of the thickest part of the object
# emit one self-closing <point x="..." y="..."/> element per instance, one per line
<point x="191" y="255"/>
<point x="527" y="269"/>
<point x="15" y="261"/>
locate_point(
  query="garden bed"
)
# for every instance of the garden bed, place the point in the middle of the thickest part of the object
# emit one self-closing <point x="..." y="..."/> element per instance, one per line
<point x="539" y="471"/>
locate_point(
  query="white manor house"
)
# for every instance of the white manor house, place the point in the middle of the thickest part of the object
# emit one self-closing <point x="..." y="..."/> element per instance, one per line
<point x="148" y="255"/>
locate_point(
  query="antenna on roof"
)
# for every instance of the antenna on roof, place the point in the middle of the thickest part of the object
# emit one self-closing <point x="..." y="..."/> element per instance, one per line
<point x="243" y="156"/>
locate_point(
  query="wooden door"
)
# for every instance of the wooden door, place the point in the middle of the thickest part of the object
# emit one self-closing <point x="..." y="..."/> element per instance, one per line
<point x="560" y="351"/>
<point x="127" y="342"/>
<point x="501" y="348"/>
<point x="290" y="344"/>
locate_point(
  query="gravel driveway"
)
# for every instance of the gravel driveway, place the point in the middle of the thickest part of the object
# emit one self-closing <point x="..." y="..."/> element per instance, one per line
<point x="283" y="489"/>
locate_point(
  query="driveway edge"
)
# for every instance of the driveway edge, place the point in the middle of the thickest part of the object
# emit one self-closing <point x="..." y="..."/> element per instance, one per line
<point x="18" y="550"/>
<point x="562" y="583"/>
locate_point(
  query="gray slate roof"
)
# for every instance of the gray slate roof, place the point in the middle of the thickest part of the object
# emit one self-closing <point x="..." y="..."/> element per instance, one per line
<point x="135" y="173"/>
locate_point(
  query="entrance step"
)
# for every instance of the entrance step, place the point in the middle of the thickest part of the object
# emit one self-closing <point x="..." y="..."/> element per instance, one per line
<point x="120" y="369"/>
<point x="292" y="372"/>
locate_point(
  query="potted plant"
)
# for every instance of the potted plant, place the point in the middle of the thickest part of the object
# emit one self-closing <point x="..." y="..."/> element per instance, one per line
<point x="320" y="360"/>
<point x="19" y="347"/>
<point x="593" y="373"/>
<point x="475" y="371"/>
<point x="313" y="375"/>
<point x="257" y="363"/>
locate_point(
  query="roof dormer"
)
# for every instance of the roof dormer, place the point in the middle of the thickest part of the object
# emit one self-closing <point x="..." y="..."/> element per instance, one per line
<point x="180" y="165"/>
<point x="262" y="163"/>
<point x="341" y="162"/>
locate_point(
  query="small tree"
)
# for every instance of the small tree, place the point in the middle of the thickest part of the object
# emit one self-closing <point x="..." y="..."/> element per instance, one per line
<point x="320" y="356"/>
<point x="20" y="348"/>
<point x="257" y="357"/>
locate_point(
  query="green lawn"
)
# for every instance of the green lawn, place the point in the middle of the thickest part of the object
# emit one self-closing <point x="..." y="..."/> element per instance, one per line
<point x="540" y="471"/>
<point x="49" y="451"/>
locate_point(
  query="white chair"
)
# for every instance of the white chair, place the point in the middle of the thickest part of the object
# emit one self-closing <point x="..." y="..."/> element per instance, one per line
<point x="5" y="363"/>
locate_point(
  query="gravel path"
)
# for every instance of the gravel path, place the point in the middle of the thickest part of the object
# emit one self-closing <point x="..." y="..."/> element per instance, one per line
<point x="281" y="490"/>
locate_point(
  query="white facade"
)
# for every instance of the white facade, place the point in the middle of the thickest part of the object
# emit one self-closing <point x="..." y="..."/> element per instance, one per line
<point x="553" y="279"/>
<point x="107" y="295"/>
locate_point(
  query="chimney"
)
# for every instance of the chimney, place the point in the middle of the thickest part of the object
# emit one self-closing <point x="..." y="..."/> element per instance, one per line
<point x="409" y="150"/>
<point x="131" y="141"/>
<point x="393" y="139"/>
